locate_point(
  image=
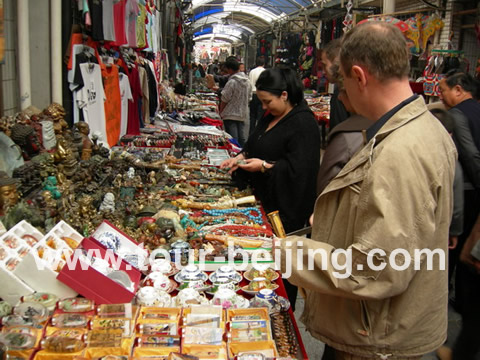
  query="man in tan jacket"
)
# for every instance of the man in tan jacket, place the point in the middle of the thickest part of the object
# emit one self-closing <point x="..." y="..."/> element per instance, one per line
<point x="374" y="269"/>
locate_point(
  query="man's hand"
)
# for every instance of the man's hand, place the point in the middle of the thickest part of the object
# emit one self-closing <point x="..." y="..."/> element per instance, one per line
<point x="452" y="242"/>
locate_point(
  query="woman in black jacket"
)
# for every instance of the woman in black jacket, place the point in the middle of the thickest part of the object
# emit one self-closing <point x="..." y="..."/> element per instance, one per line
<point x="282" y="156"/>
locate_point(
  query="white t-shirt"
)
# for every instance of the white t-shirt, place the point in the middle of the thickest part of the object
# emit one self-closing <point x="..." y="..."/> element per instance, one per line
<point x="126" y="95"/>
<point x="107" y="17"/>
<point x="253" y="76"/>
<point x="91" y="100"/>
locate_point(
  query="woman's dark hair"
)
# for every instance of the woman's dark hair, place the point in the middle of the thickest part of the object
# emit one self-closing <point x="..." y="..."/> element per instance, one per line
<point x="276" y="81"/>
<point x="445" y="118"/>
<point x="465" y="81"/>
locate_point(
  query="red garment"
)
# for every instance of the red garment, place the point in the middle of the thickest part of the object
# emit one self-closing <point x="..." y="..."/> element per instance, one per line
<point x="119" y="23"/>
<point x="210" y="121"/>
<point x="112" y="104"/>
<point x="77" y="38"/>
<point x="133" y="125"/>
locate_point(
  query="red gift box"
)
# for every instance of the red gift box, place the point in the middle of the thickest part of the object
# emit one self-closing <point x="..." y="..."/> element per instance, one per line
<point x="93" y="284"/>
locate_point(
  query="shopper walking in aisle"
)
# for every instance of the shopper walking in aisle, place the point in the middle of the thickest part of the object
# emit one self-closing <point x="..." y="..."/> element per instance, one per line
<point x="256" y="110"/>
<point x="282" y="156"/>
<point x="457" y="93"/>
<point x="234" y="101"/>
<point x="392" y="199"/>
<point x="467" y="346"/>
<point x="344" y="140"/>
<point x="330" y="54"/>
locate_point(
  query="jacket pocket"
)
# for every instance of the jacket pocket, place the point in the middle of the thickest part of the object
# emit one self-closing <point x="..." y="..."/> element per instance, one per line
<point x="365" y="319"/>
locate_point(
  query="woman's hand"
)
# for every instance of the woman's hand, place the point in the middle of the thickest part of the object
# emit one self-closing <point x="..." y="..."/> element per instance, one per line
<point x="254" y="165"/>
<point x="231" y="164"/>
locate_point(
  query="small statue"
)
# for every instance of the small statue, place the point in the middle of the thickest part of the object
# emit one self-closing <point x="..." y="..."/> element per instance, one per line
<point x="87" y="144"/>
<point x="8" y="192"/>
<point x="108" y="203"/>
<point x="51" y="186"/>
<point x="131" y="173"/>
<point x="152" y="178"/>
<point x="26" y="137"/>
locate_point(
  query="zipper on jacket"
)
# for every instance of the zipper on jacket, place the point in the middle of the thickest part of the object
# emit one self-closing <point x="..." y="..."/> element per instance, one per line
<point x="365" y="320"/>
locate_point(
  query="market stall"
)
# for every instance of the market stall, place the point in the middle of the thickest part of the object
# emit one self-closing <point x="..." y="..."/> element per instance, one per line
<point x="146" y="250"/>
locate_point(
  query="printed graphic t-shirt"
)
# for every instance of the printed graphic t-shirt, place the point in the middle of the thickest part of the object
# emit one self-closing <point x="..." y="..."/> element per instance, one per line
<point x="126" y="95"/>
<point x="91" y="98"/>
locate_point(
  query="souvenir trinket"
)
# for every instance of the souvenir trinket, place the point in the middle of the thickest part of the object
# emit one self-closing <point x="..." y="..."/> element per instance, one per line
<point x="158" y="329"/>
<point x="189" y="273"/>
<point x="5" y="309"/>
<point x="69" y="320"/>
<point x="225" y="271"/>
<point x="190" y="296"/>
<point x="258" y="284"/>
<point x="123" y="325"/>
<point x="70" y="333"/>
<point x="102" y="338"/>
<point x="115" y="310"/>
<point x="17" y="320"/>
<point x="31" y="310"/>
<point x="18" y="341"/>
<point x="229" y="299"/>
<point x="156" y="341"/>
<point x="149" y="296"/>
<point x="11" y="242"/>
<point x="65" y="345"/>
<point x="258" y="271"/>
<point x="76" y="305"/>
<point x="11" y="263"/>
<point x="3" y="253"/>
<point x="30" y="239"/>
<point x="46" y="299"/>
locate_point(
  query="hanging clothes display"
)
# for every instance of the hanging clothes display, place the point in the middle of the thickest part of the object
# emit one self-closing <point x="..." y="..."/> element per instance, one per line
<point x="90" y="99"/>
<point x="126" y="98"/>
<point x="96" y="13"/>
<point x="119" y="17"/>
<point x="142" y="20"/>
<point x="131" y="13"/>
<point x="145" y="108"/>
<point x="108" y="22"/>
<point x="133" y="125"/>
<point x="113" y="115"/>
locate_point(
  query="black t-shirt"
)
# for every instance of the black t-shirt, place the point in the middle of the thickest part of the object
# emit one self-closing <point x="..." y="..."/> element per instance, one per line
<point x="96" y="13"/>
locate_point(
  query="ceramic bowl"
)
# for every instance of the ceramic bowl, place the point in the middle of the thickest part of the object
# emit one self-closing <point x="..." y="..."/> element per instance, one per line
<point x="258" y="284"/>
<point x="226" y="271"/>
<point x="267" y="273"/>
<point x="190" y="296"/>
<point x="189" y="273"/>
<point x="198" y="285"/>
<point x="222" y="283"/>
<point x="227" y="299"/>
<point x="164" y="266"/>
<point x="150" y="296"/>
<point x="158" y="280"/>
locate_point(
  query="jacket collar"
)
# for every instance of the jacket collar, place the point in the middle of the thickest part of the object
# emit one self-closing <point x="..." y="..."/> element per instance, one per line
<point x="355" y="170"/>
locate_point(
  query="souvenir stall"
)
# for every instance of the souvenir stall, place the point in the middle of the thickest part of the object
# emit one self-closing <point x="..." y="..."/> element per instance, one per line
<point x="142" y="251"/>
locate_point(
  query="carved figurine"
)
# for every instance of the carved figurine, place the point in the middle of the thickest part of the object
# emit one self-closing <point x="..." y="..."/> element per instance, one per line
<point x="8" y="192"/>
<point x="108" y="203"/>
<point x="87" y="144"/>
<point x="51" y="186"/>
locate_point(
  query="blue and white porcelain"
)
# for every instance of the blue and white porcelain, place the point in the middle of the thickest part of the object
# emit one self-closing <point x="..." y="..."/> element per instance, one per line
<point x="227" y="272"/>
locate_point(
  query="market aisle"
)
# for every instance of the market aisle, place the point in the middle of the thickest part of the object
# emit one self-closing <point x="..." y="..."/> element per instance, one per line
<point x="315" y="348"/>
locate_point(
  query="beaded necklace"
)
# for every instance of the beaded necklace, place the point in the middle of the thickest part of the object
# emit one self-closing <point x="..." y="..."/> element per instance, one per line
<point x="244" y="230"/>
<point x="245" y="211"/>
